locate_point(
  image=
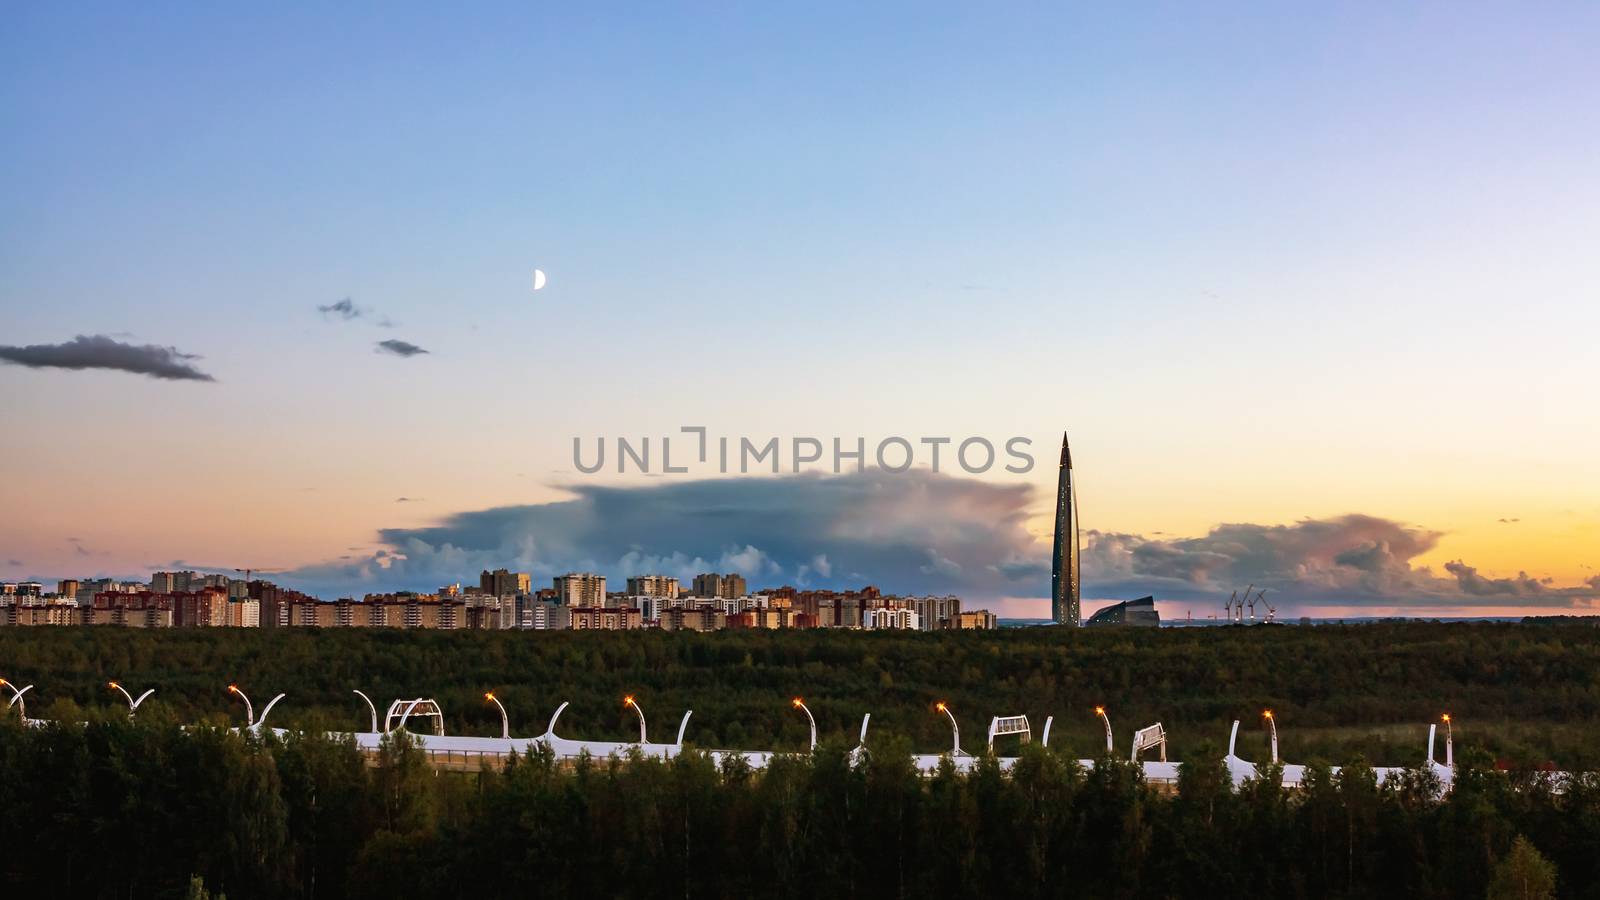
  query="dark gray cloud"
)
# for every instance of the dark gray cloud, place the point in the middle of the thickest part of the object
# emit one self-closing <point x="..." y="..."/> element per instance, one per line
<point x="916" y="532"/>
<point x="408" y="499"/>
<point x="98" y="351"/>
<point x="345" y="309"/>
<point x="399" y="348"/>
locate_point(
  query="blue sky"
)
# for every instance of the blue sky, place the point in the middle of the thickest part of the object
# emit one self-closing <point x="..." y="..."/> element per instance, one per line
<point x="1268" y="263"/>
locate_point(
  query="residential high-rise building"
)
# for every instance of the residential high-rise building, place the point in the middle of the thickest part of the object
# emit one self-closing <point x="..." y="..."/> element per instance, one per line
<point x="591" y="618"/>
<point x="653" y="586"/>
<point x="933" y="612"/>
<point x="67" y="588"/>
<point x="501" y="583"/>
<point x="170" y="582"/>
<point x="1065" y="608"/>
<point x="581" y="589"/>
<point x="712" y="584"/>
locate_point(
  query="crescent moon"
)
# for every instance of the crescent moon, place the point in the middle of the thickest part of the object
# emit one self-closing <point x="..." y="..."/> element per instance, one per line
<point x="538" y="279"/>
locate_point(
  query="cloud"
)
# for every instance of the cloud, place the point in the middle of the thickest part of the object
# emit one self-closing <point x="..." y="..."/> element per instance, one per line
<point x="913" y="533"/>
<point x="1509" y="521"/>
<point x="1351" y="560"/>
<point x="878" y="527"/>
<point x="101" y="352"/>
<point x="345" y="310"/>
<point x="408" y="499"/>
<point x="1472" y="583"/>
<point x="15" y="563"/>
<point x="399" y="348"/>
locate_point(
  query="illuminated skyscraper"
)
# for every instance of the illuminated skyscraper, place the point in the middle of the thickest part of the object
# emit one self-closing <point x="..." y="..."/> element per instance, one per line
<point x="1064" y="603"/>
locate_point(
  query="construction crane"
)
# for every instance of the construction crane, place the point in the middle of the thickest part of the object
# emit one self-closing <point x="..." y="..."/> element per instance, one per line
<point x="1252" y="604"/>
<point x="247" y="573"/>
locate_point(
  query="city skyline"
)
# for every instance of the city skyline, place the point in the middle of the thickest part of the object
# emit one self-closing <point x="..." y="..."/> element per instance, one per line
<point x="1297" y="280"/>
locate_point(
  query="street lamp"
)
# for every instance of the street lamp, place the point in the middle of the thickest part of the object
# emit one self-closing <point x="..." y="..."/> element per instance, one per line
<point x="133" y="705"/>
<point x="249" y="711"/>
<point x="1449" y="743"/>
<point x="955" y="730"/>
<point x="628" y="701"/>
<point x="505" y="721"/>
<point x="1101" y="712"/>
<point x="370" y="708"/>
<point x="16" y="698"/>
<point x="1272" y="725"/>
<point x="800" y="705"/>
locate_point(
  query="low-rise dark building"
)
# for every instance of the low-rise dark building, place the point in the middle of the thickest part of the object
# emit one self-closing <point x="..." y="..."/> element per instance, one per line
<point x="1139" y="613"/>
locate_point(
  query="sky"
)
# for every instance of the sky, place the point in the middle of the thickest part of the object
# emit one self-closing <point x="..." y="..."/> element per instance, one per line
<point x="1313" y="291"/>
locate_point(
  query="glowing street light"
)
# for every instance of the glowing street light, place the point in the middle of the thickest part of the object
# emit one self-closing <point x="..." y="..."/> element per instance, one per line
<point x="800" y="705"/>
<point x="505" y="721"/>
<point x="1101" y="712"/>
<point x="16" y="698"/>
<point x="1449" y="742"/>
<point x="1272" y="725"/>
<point x="955" y="730"/>
<point x="628" y="701"/>
<point x="249" y="711"/>
<point x="133" y="705"/>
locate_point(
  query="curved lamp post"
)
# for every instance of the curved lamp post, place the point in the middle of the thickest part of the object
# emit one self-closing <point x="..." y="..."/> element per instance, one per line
<point x="628" y="701"/>
<point x="505" y="721"/>
<point x="1272" y="726"/>
<point x="370" y="708"/>
<point x="1101" y="712"/>
<point x="133" y="705"/>
<point x="955" y="730"/>
<point x="800" y="705"/>
<point x="249" y="711"/>
<point x="1449" y="742"/>
<point x="16" y="698"/>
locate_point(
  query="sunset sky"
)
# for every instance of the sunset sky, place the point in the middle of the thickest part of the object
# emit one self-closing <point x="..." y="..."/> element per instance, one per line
<point x="1314" y="291"/>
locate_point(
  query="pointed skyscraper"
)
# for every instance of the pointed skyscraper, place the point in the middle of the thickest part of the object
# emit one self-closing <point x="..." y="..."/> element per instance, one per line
<point x="1065" y="608"/>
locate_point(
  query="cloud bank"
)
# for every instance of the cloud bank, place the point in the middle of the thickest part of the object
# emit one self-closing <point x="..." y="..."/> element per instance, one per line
<point x="917" y="532"/>
<point x="101" y="352"/>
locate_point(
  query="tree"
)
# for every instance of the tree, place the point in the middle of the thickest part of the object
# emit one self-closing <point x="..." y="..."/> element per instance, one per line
<point x="1523" y="874"/>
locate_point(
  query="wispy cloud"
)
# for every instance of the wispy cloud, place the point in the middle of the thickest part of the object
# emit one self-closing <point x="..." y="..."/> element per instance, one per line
<point x="102" y="352"/>
<point x="399" y="348"/>
<point x="345" y="309"/>
<point x="408" y="500"/>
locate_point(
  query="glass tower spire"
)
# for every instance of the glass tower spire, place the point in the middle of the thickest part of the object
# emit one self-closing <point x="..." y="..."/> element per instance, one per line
<point x="1064" y="603"/>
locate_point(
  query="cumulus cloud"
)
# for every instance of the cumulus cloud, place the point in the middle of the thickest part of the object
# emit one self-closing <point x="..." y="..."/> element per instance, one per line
<point x="99" y="351"/>
<point x="399" y="348"/>
<point x="830" y="531"/>
<point x="917" y="532"/>
<point x="1347" y="560"/>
